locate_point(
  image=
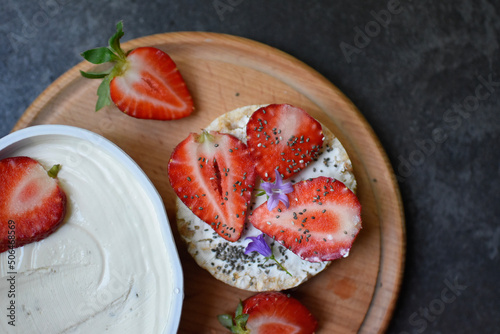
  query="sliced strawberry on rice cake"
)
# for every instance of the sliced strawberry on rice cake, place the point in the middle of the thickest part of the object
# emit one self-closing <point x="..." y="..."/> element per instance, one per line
<point x="293" y="155"/>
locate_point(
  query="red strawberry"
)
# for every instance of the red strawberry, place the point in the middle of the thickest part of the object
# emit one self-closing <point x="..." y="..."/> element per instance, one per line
<point x="271" y="313"/>
<point x="283" y="137"/>
<point x="213" y="174"/>
<point x="144" y="83"/>
<point x="32" y="205"/>
<point x="321" y="223"/>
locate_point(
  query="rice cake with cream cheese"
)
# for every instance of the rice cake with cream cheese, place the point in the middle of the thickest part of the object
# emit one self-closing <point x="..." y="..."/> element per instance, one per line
<point x="226" y="260"/>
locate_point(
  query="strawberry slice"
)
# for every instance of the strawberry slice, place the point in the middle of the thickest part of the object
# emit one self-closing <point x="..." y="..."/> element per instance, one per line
<point x="270" y="313"/>
<point x="213" y="174"/>
<point x="151" y="87"/>
<point x="32" y="204"/>
<point x="321" y="223"/>
<point x="144" y="83"/>
<point x="282" y="137"/>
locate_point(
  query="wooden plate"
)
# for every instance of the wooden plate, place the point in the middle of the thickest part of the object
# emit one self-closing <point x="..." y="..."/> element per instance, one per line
<point x="223" y="72"/>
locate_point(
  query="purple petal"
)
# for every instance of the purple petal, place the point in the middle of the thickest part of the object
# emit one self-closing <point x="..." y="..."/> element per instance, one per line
<point x="287" y="188"/>
<point x="252" y="238"/>
<point x="273" y="201"/>
<point x="268" y="188"/>
<point x="252" y="247"/>
<point x="279" y="180"/>
<point x="284" y="199"/>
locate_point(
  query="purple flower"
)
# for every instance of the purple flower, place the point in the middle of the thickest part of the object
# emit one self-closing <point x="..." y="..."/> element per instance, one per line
<point x="258" y="244"/>
<point x="277" y="191"/>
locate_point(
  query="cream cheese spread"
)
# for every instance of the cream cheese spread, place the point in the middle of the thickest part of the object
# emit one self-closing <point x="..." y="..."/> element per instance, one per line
<point x="105" y="269"/>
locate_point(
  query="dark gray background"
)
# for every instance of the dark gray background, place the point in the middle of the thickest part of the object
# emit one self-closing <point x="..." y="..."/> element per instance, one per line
<point x="419" y="79"/>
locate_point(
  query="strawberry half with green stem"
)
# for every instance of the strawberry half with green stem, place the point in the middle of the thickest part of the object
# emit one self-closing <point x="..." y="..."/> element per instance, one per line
<point x="270" y="313"/>
<point x="32" y="204"/>
<point x="321" y="223"/>
<point x="282" y="137"/>
<point x="213" y="174"/>
<point x="143" y="83"/>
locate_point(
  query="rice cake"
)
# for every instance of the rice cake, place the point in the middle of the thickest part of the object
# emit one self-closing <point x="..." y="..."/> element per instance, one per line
<point x="226" y="260"/>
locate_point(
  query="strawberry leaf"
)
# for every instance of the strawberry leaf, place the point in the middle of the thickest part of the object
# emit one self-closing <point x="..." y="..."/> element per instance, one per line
<point x="99" y="55"/>
<point x="95" y="75"/>
<point x="114" y="41"/>
<point x="104" y="98"/>
<point x="236" y="325"/>
<point x="241" y="320"/>
<point x="239" y="309"/>
<point x="225" y="320"/>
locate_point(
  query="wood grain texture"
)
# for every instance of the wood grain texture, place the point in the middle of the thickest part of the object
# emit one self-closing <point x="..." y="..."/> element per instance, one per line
<point x="223" y="72"/>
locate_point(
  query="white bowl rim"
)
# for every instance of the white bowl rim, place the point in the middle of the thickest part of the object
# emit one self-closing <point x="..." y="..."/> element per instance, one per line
<point x="113" y="149"/>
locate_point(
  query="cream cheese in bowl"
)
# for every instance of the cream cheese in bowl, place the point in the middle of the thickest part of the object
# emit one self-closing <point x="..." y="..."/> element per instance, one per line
<point x="112" y="266"/>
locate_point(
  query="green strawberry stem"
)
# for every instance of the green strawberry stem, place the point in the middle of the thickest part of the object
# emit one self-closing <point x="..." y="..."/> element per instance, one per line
<point x="113" y="53"/>
<point x="54" y="171"/>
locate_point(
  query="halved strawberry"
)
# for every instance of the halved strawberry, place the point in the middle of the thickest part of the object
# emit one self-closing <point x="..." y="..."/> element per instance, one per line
<point x="213" y="174"/>
<point x="270" y="313"/>
<point x="283" y="137"/>
<point x="321" y="223"/>
<point x="144" y="83"/>
<point x="32" y="205"/>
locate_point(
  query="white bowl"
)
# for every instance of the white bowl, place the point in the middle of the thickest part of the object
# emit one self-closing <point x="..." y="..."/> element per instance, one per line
<point x="128" y="271"/>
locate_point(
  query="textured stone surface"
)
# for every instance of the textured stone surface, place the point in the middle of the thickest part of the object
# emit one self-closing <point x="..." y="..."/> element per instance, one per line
<point x="415" y="80"/>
